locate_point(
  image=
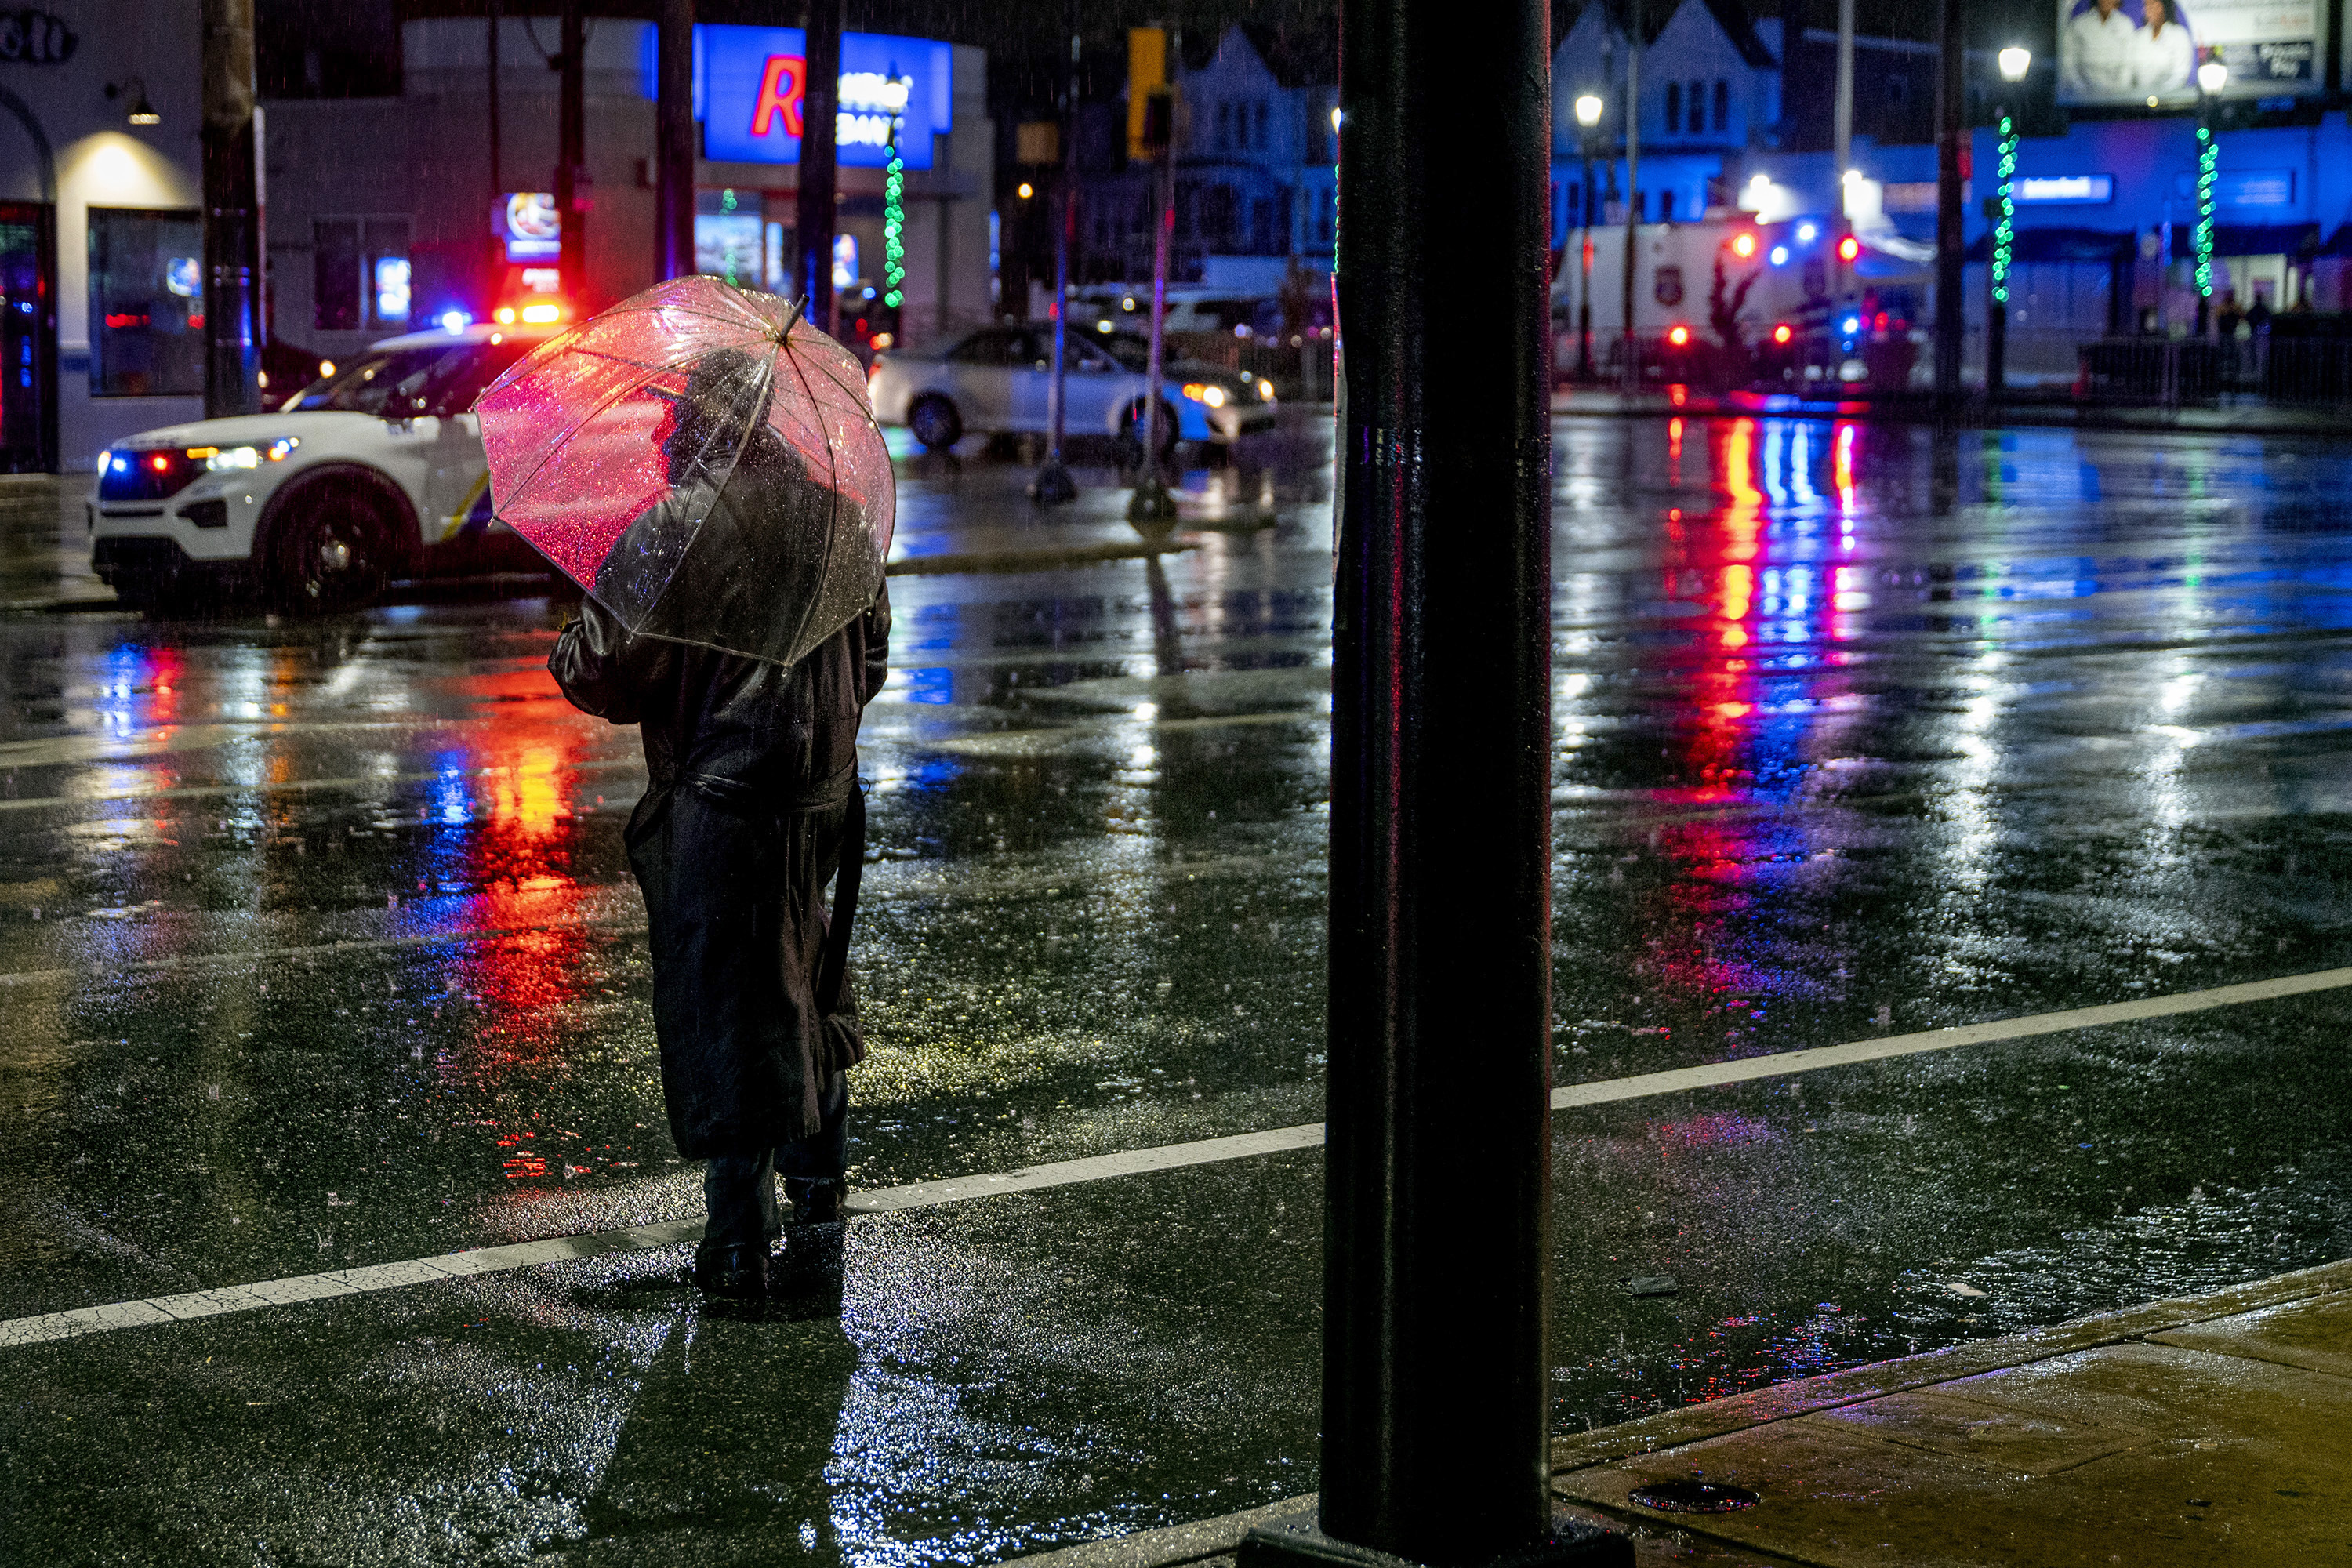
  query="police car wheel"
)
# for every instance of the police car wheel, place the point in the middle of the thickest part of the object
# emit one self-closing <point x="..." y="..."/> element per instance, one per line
<point x="331" y="555"/>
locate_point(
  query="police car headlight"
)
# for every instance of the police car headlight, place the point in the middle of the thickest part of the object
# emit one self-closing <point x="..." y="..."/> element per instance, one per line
<point x="226" y="459"/>
<point x="1202" y="392"/>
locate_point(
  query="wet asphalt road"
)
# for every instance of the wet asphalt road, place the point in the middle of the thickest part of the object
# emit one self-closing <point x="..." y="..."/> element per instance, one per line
<point x="1861" y="730"/>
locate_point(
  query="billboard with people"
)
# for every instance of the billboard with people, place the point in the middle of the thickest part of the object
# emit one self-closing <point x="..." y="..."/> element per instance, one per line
<point x="2147" y="51"/>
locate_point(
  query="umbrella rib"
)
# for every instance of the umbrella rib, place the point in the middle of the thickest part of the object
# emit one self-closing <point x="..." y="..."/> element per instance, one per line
<point x="833" y="486"/>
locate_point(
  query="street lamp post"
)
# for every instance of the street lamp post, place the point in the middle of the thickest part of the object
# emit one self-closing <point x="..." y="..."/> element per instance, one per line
<point x="1588" y="115"/>
<point x="2014" y="63"/>
<point x="2212" y="75"/>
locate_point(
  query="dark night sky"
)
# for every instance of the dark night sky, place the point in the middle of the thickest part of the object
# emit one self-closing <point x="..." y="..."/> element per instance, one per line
<point x="351" y="47"/>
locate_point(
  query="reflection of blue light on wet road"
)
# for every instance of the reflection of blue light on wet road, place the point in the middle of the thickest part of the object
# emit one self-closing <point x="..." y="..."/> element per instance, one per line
<point x="934" y="686"/>
<point x="453" y="800"/>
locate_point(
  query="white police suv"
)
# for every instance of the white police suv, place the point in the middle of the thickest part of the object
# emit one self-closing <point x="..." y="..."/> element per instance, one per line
<point x="371" y="473"/>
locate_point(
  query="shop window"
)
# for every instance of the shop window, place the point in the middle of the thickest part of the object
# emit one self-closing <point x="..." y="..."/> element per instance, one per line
<point x="1722" y="106"/>
<point x="1698" y="107"/>
<point x="1674" y="106"/>
<point x="1257" y="125"/>
<point x="146" y="303"/>
<point x="359" y="274"/>
<point x="1224" y="126"/>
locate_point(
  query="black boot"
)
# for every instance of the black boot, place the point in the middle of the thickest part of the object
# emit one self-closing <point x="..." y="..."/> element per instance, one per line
<point x="740" y="1272"/>
<point x="816" y="1202"/>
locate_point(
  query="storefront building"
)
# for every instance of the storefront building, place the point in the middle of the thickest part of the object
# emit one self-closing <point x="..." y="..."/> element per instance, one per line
<point x="387" y="214"/>
<point x="102" y="242"/>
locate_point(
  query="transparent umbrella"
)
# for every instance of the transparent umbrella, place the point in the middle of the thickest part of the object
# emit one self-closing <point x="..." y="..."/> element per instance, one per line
<point x="703" y="463"/>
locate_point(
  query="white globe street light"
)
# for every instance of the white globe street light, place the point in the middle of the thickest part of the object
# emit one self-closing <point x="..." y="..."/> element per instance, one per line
<point x="1588" y="110"/>
<point x="2213" y="77"/>
<point x="2014" y="63"/>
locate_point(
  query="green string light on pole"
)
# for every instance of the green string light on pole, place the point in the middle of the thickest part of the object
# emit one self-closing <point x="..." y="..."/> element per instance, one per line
<point x="894" y="220"/>
<point x="2004" y="234"/>
<point x="2208" y="157"/>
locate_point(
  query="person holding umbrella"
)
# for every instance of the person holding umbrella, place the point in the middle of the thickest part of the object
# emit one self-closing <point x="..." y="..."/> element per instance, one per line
<point x="737" y="615"/>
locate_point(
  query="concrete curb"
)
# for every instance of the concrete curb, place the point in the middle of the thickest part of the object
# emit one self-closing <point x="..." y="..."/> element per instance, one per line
<point x="1214" y="1537"/>
<point x="1782" y="1401"/>
<point x="1175" y="1544"/>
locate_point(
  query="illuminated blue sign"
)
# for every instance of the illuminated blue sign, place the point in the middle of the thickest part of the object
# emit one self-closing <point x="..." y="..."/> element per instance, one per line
<point x="751" y="84"/>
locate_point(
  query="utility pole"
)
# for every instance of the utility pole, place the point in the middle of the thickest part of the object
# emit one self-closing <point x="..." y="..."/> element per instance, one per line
<point x="1053" y="485"/>
<point x="1436" y="1310"/>
<point x="821" y="105"/>
<point x="1951" y="304"/>
<point x="1152" y="509"/>
<point x="495" y="278"/>
<point x="674" y="140"/>
<point x="233" y="325"/>
<point x="571" y="155"/>
<point x="1632" y="112"/>
<point x="1843" y="136"/>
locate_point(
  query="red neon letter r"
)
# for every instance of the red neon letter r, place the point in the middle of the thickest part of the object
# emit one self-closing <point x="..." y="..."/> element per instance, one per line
<point x="781" y="87"/>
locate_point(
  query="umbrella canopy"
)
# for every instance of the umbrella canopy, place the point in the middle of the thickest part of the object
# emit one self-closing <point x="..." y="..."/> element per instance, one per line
<point x="703" y="463"/>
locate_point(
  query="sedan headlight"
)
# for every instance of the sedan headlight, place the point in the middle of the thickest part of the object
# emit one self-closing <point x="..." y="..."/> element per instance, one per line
<point x="1265" y="390"/>
<point x="1205" y="392"/>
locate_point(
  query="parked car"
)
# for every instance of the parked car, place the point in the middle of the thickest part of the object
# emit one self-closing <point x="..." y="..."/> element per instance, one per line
<point x="997" y="380"/>
<point x="374" y="472"/>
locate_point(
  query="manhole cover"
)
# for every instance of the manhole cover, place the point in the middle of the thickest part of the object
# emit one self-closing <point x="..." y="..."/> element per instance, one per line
<point x="1694" y="1496"/>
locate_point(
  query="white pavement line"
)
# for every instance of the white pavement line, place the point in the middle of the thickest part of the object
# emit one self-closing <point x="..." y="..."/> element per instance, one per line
<point x="1779" y="1063"/>
<point x="1096" y="1168"/>
<point x="84" y="1320"/>
<point x="289" y="786"/>
<point x="357" y="944"/>
<point x="881" y="888"/>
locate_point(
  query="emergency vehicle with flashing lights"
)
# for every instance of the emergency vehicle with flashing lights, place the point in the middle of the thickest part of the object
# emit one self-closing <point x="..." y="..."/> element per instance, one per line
<point x="1818" y="308"/>
<point x="371" y="473"/>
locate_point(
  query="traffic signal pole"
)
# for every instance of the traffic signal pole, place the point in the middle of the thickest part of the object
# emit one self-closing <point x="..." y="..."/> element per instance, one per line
<point x="674" y="140"/>
<point x="234" y="328"/>
<point x="1951" y="303"/>
<point x="1437" y="1228"/>
<point x="815" y="218"/>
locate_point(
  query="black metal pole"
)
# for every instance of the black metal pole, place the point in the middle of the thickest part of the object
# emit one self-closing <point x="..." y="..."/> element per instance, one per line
<point x="1951" y="303"/>
<point x="571" y="153"/>
<point x="1584" y="264"/>
<point x="821" y="102"/>
<point x="494" y="275"/>
<point x="1437" y="1350"/>
<point x="233" y="329"/>
<point x="1053" y="485"/>
<point x="674" y="142"/>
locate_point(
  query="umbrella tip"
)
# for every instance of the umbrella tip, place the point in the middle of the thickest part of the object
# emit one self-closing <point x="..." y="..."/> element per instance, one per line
<point x="790" y="317"/>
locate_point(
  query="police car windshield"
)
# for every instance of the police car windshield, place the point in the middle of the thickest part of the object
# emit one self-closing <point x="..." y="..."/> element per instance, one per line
<point x="432" y="378"/>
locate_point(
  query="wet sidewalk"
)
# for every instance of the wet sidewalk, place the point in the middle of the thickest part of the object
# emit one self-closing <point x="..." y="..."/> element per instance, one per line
<point x="2204" y="1430"/>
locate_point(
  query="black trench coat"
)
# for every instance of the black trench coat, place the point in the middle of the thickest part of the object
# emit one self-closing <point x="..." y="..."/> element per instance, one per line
<point x="753" y="766"/>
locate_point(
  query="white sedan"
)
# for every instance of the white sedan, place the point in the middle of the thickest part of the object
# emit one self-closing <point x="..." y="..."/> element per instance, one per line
<point x="998" y="381"/>
<point x="373" y="473"/>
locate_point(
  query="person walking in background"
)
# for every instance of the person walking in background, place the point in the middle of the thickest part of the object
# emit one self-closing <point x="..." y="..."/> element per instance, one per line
<point x="752" y="806"/>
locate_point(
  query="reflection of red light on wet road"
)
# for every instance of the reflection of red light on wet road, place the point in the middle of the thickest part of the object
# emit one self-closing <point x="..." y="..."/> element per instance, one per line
<point x="1842" y="458"/>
